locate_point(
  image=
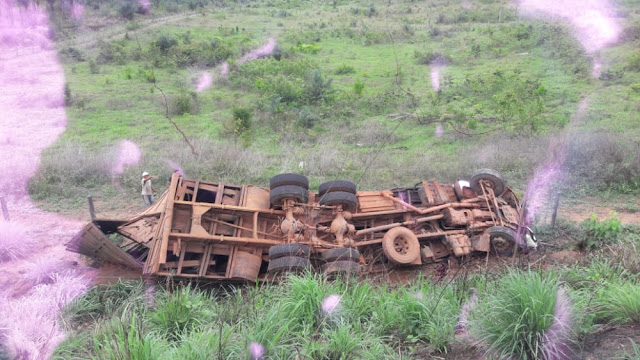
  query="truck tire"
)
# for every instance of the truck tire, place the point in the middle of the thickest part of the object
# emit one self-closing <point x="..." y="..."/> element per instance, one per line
<point x="336" y="185"/>
<point x="280" y="193"/>
<point x="288" y="263"/>
<point x="492" y="178"/>
<point x="502" y="240"/>
<point x="289" y="179"/>
<point x="348" y="200"/>
<point x="400" y="245"/>
<point x="341" y="254"/>
<point x="282" y="250"/>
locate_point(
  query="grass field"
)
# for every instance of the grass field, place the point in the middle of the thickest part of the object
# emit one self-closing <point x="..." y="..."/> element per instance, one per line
<point x="491" y="59"/>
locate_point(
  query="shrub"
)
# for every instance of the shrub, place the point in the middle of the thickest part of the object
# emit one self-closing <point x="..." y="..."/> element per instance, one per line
<point x="345" y="69"/>
<point x="633" y="62"/>
<point x="68" y="97"/>
<point x="242" y="119"/>
<point x="165" y="42"/>
<point x="286" y="89"/>
<point x="127" y="10"/>
<point x="185" y="103"/>
<point x="149" y="75"/>
<point x="308" y="48"/>
<point x="93" y="67"/>
<point x="307" y="118"/>
<point x="599" y="233"/>
<point x="515" y="315"/>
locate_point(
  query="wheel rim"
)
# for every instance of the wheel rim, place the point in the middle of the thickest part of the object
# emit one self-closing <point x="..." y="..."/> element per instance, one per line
<point x="501" y="244"/>
<point x="401" y="245"/>
<point x="488" y="184"/>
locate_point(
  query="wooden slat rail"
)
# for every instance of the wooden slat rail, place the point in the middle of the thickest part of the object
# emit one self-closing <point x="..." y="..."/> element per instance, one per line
<point x="234" y="208"/>
<point x="226" y="239"/>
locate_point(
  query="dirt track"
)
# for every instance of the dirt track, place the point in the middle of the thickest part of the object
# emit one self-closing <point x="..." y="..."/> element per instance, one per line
<point x="34" y="287"/>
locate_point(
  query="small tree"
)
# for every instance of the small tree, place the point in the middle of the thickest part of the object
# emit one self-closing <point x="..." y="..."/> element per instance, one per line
<point x="241" y="125"/>
<point x="166" y="42"/>
<point x="317" y="87"/>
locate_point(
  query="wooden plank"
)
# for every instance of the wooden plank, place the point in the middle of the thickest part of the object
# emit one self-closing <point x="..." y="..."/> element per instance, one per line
<point x="220" y="194"/>
<point x="183" y="251"/>
<point x="90" y="241"/>
<point x="204" y="262"/>
<point x="195" y="191"/>
<point x="168" y="216"/>
<point x="441" y="193"/>
<point x="427" y="191"/>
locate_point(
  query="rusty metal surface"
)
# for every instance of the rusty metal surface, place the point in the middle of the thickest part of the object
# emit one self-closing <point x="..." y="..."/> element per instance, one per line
<point x="223" y="232"/>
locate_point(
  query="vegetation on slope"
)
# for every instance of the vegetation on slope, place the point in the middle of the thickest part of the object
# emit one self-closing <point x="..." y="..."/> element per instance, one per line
<point x="346" y="90"/>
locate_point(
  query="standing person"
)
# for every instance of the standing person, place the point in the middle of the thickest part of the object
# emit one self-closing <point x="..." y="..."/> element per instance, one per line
<point x="147" y="189"/>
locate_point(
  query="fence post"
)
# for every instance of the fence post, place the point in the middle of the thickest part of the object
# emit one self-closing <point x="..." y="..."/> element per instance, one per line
<point x="555" y="210"/>
<point x="5" y="211"/>
<point x="92" y="210"/>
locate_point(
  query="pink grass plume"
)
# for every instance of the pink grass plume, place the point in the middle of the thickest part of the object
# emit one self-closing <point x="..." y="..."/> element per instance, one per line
<point x="264" y="50"/>
<point x="330" y="304"/>
<point x="128" y="154"/>
<point x="224" y="69"/>
<point x="556" y="340"/>
<point x="256" y="351"/>
<point x="204" y="82"/>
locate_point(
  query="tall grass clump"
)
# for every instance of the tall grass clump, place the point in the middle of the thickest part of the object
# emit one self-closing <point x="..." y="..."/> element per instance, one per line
<point x="423" y="313"/>
<point x="126" y="338"/>
<point x="619" y="303"/>
<point x="180" y="312"/>
<point x="303" y="299"/>
<point x="203" y="344"/>
<point x="101" y="303"/>
<point x="513" y="317"/>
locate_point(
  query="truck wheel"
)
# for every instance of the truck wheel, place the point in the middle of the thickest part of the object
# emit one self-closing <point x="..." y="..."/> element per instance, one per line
<point x="491" y="178"/>
<point x="280" y="193"/>
<point x="341" y="267"/>
<point x="348" y="200"/>
<point x="341" y="254"/>
<point x="400" y="245"/>
<point x="503" y="240"/>
<point x="289" y="179"/>
<point x="336" y="185"/>
<point x="281" y="250"/>
<point x="288" y="263"/>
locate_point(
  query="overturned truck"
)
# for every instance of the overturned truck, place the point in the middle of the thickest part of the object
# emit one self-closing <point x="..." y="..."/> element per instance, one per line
<point x="221" y="232"/>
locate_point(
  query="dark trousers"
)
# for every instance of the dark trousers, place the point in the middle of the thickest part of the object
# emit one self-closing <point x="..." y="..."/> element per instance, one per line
<point x="148" y="199"/>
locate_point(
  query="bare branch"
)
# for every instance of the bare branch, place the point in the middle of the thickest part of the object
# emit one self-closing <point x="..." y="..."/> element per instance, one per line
<point x="166" y="107"/>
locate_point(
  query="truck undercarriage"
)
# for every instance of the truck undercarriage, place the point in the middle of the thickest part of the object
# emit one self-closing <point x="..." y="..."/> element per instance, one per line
<point x="222" y="232"/>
